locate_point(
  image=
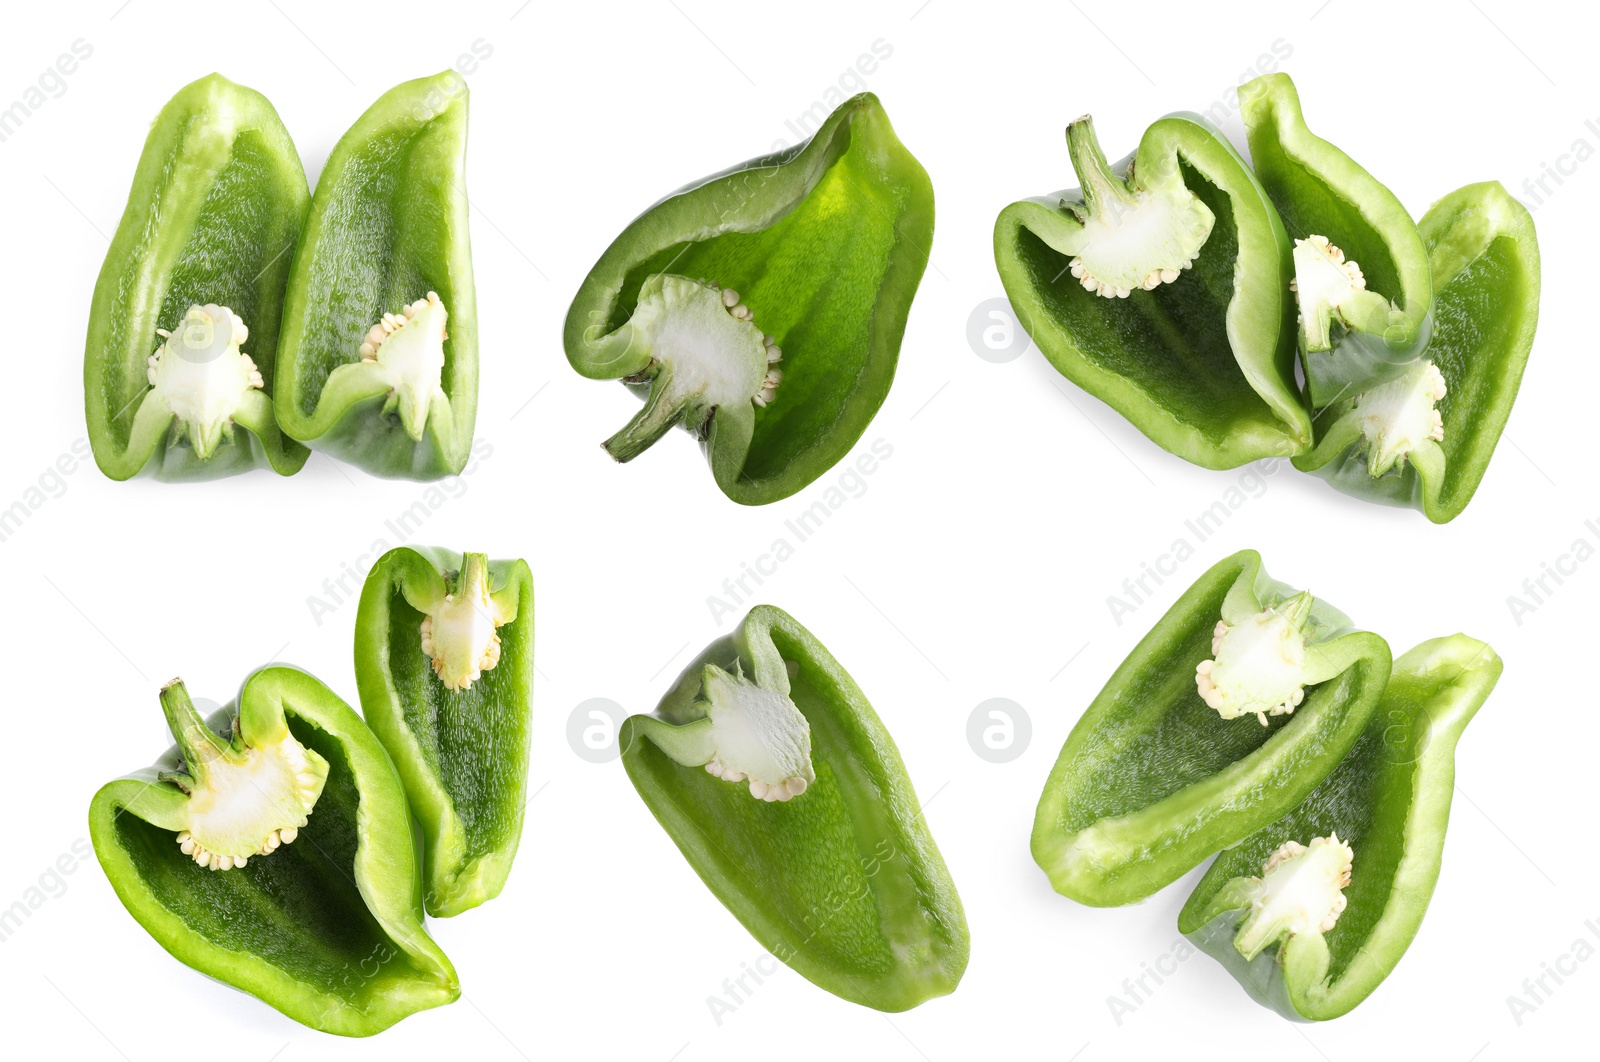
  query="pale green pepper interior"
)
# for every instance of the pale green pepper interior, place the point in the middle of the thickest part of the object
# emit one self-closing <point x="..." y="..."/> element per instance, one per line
<point x="298" y="909"/>
<point x="392" y="236"/>
<point x="812" y="836"/>
<point x="458" y="732"/>
<point x="233" y="244"/>
<point x="834" y="248"/>
<point x="1172" y="341"/>
<point x="1462" y="333"/>
<point x="1175" y="739"/>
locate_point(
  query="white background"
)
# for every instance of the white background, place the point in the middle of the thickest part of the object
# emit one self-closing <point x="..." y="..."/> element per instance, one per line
<point x="975" y="563"/>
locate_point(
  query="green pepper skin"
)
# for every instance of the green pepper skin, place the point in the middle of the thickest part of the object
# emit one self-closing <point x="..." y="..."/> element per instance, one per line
<point x="1390" y="800"/>
<point x="1204" y="366"/>
<point x="388" y="224"/>
<point x="328" y="930"/>
<point x="462" y="754"/>
<point x="1318" y="189"/>
<point x="1485" y="261"/>
<point x="216" y="206"/>
<point x="1150" y="781"/>
<point x="827" y="241"/>
<point x="844" y="882"/>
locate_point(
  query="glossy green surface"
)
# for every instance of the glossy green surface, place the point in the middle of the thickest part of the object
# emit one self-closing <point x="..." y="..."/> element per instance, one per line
<point x="327" y="929"/>
<point x="1390" y="800"/>
<point x="1485" y="262"/>
<point x="826" y="243"/>
<point x="388" y="224"/>
<point x="462" y="754"/>
<point x="1151" y="781"/>
<point x="1320" y="190"/>
<point x="216" y="205"/>
<point x="843" y="882"/>
<point x="1203" y="366"/>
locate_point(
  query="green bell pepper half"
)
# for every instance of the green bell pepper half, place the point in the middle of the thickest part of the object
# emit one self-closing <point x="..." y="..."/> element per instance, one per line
<point x="798" y="267"/>
<point x="769" y="769"/>
<point x="380" y="333"/>
<point x="1344" y="223"/>
<point x="1154" y="777"/>
<point x="327" y="929"/>
<point x="444" y="663"/>
<point x="1194" y="342"/>
<point x="1389" y="803"/>
<point x="195" y="274"/>
<point x="1484" y="256"/>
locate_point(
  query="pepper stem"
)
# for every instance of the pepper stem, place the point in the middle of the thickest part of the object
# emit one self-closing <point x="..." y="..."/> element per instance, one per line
<point x="1102" y="188"/>
<point x="199" y="743"/>
<point x="473" y="578"/>
<point x="659" y="415"/>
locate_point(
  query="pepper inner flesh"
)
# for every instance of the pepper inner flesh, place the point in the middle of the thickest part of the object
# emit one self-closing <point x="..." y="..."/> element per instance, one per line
<point x="402" y="357"/>
<point x="706" y="352"/>
<point x="1261" y="664"/>
<point x="1399" y="416"/>
<point x="247" y="795"/>
<point x="1300" y="890"/>
<point x="459" y="634"/>
<point x="1332" y="294"/>
<point x="750" y="733"/>
<point x="1137" y="234"/>
<point x="201" y="376"/>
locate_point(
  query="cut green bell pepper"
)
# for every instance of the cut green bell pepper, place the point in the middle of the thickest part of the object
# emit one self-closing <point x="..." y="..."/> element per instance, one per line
<point x="1235" y="705"/>
<point x="444" y="662"/>
<point x="1313" y="912"/>
<point x="1361" y="271"/>
<point x="379" y="362"/>
<point x="196" y="274"/>
<point x="1160" y="287"/>
<point x="797" y="267"/>
<point x="270" y="848"/>
<point x="775" y="778"/>
<point x="1425" y="440"/>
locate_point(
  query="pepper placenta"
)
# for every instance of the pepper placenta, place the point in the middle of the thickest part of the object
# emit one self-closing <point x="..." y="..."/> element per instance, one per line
<point x="762" y="308"/>
<point x="178" y="367"/>
<point x="1314" y="911"/>
<point x="769" y="769"/>
<point x="1362" y="281"/>
<point x="444" y="663"/>
<point x="1236" y="704"/>
<point x="379" y="360"/>
<point x="270" y="848"/>
<point x="1159" y="287"/>
<point x="1425" y="439"/>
